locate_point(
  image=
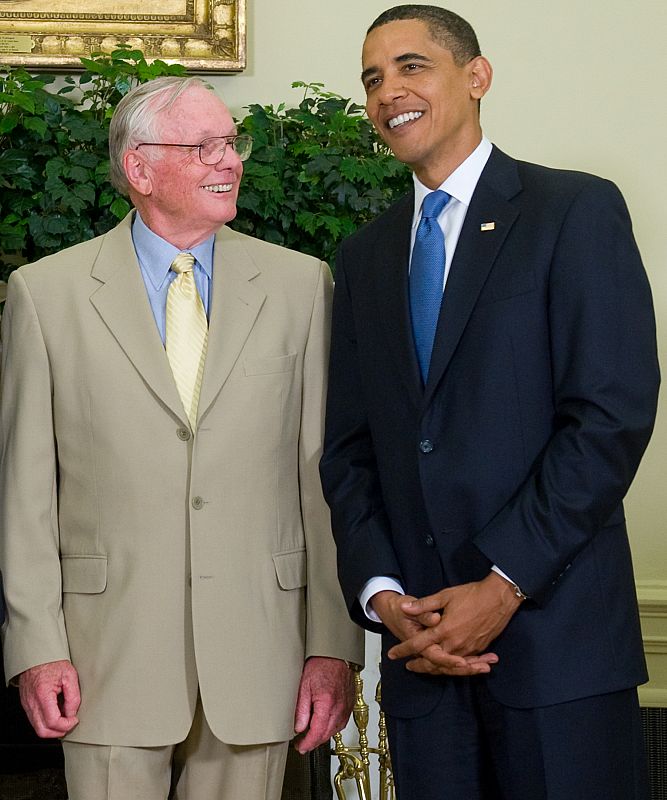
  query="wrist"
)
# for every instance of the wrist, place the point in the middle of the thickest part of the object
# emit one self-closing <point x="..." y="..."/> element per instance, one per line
<point x="510" y="589"/>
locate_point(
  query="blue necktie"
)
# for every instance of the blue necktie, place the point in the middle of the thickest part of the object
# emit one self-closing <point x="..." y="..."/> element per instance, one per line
<point x="427" y="274"/>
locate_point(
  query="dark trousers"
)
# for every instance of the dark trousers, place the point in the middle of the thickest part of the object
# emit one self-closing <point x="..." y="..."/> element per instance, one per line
<point x="471" y="747"/>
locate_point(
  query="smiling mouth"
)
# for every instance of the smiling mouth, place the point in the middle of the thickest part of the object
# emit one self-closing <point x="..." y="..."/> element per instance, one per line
<point x="401" y="119"/>
<point x="218" y="188"/>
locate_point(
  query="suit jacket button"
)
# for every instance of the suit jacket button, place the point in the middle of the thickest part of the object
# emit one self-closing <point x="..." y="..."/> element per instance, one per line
<point x="426" y="446"/>
<point x="183" y="434"/>
<point x="197" y="503"/>
<point x="429" y="540"/>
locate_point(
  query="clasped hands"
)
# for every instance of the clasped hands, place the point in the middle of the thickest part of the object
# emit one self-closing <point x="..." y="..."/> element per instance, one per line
<point x="448" y="633"/>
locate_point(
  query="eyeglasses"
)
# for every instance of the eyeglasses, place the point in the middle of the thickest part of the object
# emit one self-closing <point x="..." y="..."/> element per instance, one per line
<point x="212" y="150"/>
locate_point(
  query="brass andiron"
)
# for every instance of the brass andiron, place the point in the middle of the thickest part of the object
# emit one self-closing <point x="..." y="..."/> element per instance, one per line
<point x="355" y="759"/>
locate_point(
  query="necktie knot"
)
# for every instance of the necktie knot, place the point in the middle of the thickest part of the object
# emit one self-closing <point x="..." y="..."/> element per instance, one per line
<point x="433" y="204"/>
<point x="184" y="262"/>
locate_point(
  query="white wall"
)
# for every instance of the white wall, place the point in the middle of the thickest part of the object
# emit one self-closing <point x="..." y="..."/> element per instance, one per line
<point x="577" y="85"/>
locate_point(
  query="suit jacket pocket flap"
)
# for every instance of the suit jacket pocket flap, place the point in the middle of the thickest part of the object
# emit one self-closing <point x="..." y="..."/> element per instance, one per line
<point x="291" y="568"/>
<point x="84" y="574"/>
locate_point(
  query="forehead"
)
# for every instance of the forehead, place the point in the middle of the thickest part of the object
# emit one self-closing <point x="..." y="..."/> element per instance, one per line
<point x="196" y="112"/>
<point x="394" y="39"/>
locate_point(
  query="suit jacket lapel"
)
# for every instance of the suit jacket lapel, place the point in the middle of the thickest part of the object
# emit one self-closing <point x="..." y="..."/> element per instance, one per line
<point x="122" y="303"/>
<point x="475" y="254"/>
<point x="392" y="254"/>
<point x="235" y="304"/>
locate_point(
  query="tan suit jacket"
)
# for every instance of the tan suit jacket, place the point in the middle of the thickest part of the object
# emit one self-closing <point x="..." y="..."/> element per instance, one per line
<point x="158" y="560"/>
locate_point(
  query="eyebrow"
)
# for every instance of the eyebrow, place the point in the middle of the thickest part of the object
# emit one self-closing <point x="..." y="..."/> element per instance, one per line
<point x="403" y="58"/>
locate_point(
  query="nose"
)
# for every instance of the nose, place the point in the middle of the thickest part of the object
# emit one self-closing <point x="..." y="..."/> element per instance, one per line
<point x="230" y="160"/>
<point x="392" y="89"/>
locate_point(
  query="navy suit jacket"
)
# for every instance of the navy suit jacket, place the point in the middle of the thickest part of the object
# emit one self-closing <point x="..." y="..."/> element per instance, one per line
<point x="518" y="452"/>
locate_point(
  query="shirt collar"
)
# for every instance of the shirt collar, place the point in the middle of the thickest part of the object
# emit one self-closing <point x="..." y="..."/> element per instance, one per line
<point x="461" y="183"/>
<point x="155" y="254"/>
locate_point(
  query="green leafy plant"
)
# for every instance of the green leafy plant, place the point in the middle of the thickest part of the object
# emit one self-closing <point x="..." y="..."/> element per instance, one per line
<point x="317" y="172"/>
<point x="54" y="164"/>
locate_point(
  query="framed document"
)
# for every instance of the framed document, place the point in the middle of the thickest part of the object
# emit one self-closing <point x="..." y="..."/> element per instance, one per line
<point x="203" y="35"/>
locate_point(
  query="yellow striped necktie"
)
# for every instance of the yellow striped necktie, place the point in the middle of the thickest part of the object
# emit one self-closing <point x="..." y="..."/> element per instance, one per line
<point x="186" y="334"/>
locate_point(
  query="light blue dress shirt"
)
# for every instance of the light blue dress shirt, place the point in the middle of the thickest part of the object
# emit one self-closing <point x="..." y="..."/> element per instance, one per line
<point x="155" y="255"/>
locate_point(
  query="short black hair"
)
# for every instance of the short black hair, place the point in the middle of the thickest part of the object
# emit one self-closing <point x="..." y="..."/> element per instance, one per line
<point x="445" y="28"/>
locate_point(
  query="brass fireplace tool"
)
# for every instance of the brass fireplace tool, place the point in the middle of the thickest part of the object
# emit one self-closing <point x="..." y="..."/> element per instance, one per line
<point x="355" y="764"/>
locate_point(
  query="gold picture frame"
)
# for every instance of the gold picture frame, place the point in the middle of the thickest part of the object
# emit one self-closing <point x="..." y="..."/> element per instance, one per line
<point x="203" y="35"/>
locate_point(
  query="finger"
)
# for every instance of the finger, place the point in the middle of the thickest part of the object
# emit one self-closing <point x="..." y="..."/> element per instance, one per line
<point x="415" y="644"/>
<point x="47" y="720"/>
<point x="438" y="658"/>
<point x="316" y="734"/>
<point x="441" y="657"/>
<point x="427" y="667"/>
<point x="429" y="619"/>
<point x="414" y="607"/>
<point x="71" y="697"/>
<point x="302" y="711"/>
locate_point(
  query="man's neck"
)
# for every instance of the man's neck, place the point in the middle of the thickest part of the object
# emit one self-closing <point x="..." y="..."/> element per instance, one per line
<point x="434" y="175"/>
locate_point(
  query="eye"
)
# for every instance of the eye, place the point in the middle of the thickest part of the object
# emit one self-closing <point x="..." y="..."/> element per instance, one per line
<point x="371" y="83"/>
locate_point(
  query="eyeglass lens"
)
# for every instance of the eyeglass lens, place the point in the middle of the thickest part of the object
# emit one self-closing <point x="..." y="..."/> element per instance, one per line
<point x="212" y="150"/>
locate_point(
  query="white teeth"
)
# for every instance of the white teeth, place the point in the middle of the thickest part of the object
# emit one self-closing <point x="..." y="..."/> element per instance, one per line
<point x="401" y="119"/>
<point x="218" y="187"/>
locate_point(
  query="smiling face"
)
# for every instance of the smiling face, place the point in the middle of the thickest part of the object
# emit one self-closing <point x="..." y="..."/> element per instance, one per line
<point x="178" y="197"/>
<point x="423" y="105"/>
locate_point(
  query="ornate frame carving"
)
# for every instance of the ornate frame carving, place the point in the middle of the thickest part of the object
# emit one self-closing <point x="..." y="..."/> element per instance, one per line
<point x="203" y="35"/>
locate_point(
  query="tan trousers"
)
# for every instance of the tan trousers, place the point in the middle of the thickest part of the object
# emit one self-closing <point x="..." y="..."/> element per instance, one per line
<point x="199" y="768"/>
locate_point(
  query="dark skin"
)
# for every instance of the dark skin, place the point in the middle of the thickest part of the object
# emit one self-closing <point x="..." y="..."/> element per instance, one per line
<point x="471" y="617"/>
<point x="444" y="633"/>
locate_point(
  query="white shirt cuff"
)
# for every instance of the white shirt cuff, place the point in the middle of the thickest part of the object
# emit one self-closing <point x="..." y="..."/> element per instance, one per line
<point x="373" y="586"/>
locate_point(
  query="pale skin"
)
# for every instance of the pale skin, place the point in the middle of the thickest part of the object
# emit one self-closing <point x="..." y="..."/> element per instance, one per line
<point x="169" y="188"/>
<point x="50" y="697"/>
<point x="425" y="106"/>
<point x="324" y="702"/>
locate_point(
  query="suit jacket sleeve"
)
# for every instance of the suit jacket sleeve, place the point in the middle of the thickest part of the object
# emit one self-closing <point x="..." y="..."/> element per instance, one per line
<point x="329" y="632"/>
<point x="34" y="632"/>
<point x="348" y="468"/>
<point x="605" y="380"/>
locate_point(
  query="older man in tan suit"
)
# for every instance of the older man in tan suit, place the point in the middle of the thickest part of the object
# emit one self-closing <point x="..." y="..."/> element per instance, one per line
<point x="169" y="570"/>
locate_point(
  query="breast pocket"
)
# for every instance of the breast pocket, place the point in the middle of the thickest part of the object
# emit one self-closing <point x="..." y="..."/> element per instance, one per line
<point x="508" y="286"/>
<point x="268" y="365"/>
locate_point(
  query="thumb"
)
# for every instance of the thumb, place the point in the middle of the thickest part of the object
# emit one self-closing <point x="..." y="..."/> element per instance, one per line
<point x="71" y="697"/>
<point x="303" y="709"/>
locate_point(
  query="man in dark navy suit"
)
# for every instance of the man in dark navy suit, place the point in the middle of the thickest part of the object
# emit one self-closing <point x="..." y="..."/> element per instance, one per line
<point x="476" y="459"/>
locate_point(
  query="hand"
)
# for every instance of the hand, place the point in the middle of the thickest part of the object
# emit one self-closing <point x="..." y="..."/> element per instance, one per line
<point x="473" y="615"/>
<point x="406" y="626"/>
<point x="324" y="702"/>
<point x="388" y="606"/>
<point x="50" y="697"/>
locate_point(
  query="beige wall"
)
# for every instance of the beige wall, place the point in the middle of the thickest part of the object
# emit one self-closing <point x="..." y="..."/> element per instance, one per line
<point x="577" y="85"/>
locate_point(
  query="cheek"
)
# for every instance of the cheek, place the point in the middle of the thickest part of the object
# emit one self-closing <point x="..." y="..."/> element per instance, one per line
<point x="371" y="109"/>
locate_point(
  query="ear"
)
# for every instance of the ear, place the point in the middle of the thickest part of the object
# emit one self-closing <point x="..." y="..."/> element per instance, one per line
<point x="481" y="75"/>
<point x="138" y="172"/>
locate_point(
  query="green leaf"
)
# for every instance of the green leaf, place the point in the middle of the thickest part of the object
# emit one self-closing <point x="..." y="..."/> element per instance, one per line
<point x="85" y="192"/>
<point x="120" y="208"/>
<point x="35" y="124"/>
